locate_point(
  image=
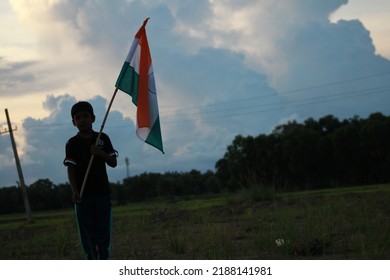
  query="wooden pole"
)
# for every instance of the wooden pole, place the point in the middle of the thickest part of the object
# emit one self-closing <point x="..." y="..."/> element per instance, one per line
<point x="19" y="168"/>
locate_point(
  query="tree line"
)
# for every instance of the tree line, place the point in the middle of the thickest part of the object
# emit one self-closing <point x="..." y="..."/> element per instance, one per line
<point x="45" y="195"/>
<point x="313" y="154"/>
<point x="327" y="152"/>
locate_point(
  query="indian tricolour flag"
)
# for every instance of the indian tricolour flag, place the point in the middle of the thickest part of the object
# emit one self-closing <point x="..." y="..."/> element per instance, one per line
<point x="137" y="79"/>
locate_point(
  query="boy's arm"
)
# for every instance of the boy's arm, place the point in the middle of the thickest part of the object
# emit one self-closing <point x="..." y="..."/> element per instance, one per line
<point x="73" y="184"/>
<point x="110" y="160"/>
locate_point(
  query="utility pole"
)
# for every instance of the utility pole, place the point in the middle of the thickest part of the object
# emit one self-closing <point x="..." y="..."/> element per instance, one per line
<point x="127" y="166"/>
<point x="20" y="173"/>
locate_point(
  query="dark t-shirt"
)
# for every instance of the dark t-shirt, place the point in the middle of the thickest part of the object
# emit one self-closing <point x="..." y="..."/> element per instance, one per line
<point x="78" y="153"/>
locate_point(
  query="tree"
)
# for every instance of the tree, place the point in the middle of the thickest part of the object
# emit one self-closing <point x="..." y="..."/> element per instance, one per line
<point x="375" y="144"/>
<point x="312" y="154"/>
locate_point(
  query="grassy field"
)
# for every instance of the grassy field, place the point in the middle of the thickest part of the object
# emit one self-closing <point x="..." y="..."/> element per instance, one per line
<point x="347" y="223"/>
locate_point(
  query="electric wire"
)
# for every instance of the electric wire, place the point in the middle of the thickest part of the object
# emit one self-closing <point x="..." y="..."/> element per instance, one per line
<point x="216" y="110"/>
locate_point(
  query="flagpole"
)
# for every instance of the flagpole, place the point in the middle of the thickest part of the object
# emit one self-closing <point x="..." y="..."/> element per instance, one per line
<point x="97" y="142"/>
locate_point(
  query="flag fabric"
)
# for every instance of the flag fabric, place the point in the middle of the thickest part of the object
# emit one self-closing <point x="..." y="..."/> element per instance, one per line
<point x="137" y="79"/>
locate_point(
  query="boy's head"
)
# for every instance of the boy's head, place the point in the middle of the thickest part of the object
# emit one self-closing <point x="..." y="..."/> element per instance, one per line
<point x="82" y="106"/>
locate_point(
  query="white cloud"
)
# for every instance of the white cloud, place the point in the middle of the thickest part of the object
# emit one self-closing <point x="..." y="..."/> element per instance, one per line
<point x="222" y="68"/>
<point x="373" y="16"/>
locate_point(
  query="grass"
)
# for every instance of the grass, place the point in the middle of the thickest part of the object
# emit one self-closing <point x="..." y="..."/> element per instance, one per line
<point x="344" y="223"/>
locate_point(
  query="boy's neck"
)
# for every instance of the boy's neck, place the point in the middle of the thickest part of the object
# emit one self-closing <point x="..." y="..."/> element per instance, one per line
<point x="86" y="133"/>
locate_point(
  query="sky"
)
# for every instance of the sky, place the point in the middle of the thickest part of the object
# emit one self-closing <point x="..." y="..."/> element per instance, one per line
<point x="222" y="68"/>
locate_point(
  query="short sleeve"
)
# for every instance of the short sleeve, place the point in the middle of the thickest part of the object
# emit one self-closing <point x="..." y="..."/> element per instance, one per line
<point x="70" y="158"/>
<point x="108" y="148"/>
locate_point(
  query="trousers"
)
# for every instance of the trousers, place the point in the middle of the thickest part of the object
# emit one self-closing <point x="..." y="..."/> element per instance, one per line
<point x="94" y="221"/>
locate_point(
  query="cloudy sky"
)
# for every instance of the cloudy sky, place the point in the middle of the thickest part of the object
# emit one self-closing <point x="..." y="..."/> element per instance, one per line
<point x="222" y="68"/>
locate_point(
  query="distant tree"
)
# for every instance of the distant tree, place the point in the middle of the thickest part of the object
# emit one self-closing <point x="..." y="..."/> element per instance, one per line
<point x="11" y="200"/>
<point x="42" y="196"/>
<point x="312" y="154"/>
<point x="63" y="195"/>
<point x="375" y="144"/>
<point x="347" y="153"/>
<point x="212" y="184"/>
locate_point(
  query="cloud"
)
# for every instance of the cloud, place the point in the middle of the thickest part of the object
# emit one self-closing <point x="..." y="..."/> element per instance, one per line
<point x="374" y="17"/>
<point x="15" y="76"/>
<point x="6" y="155"/>
<point x="222" y="68"/>
<point x="271" y="36"/>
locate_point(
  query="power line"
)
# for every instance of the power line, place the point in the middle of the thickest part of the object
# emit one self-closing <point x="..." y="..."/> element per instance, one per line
<point x="277" y="106"/>
<point x="286" y="92"/>
<point x="340" y="96"/>
<point x="214" y="110"/>
<point x="245" y="110"/>
<point x="286" y="105"/>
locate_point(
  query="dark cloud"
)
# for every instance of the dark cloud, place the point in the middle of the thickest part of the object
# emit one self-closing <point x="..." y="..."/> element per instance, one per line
<point x="16" y="77"/>
<point x="240" y="68"/>
<point x="111" y="25"/>
<point x="8" y="172"/>
<point x="318" y="10"/>
<point x="336" y="62"/>
<point x="194" y="12"/>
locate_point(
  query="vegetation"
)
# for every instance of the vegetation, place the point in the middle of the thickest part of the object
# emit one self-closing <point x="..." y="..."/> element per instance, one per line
<point x="286" y="195"/>
<point x="312" y="155"/>
<point x="342" y="223"/>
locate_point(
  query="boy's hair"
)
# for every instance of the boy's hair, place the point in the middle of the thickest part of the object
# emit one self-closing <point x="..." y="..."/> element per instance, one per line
<point x="82" y="106"/>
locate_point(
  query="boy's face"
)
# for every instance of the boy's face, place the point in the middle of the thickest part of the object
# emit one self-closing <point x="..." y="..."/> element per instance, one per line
<point x="83" y="121"/>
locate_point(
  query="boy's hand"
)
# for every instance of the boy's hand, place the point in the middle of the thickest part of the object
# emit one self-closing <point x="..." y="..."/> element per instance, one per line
<point x="96" y="151"/>
<point x="76" y="197"/>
